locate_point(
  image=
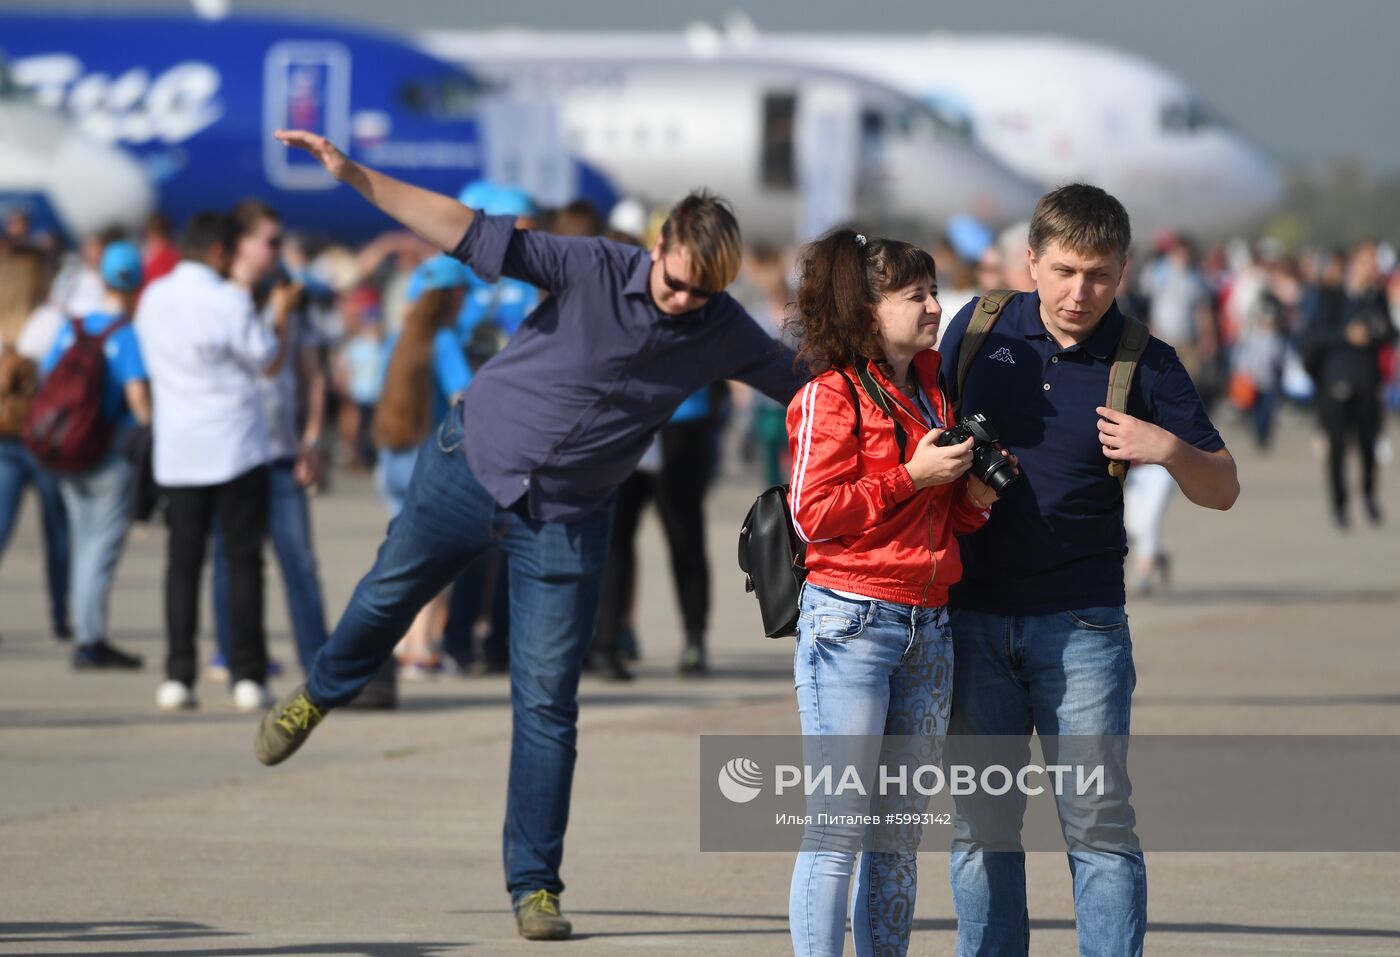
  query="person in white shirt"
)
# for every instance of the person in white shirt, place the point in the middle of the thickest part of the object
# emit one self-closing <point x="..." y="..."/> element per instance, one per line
<point x="205" y="352"/>
<point x="293" y="397"/>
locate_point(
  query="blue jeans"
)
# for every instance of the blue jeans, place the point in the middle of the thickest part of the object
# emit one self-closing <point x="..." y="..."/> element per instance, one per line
<point x="18" y="469"/>
<point x="99" y="517"/>
<point x="289" y="524"/>
<point x="1067" y="673"/>
<point x="868" y="668"/>
<point x="447" y="520"/>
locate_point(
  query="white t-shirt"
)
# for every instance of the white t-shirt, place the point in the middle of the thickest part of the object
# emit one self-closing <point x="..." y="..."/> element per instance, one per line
<point x="205" y="351"/>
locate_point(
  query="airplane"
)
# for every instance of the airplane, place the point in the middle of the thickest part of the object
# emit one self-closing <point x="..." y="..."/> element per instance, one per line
<point x="797" y="148"/>
<point x="1052" y="110"/>
<point x="196" y="101"/>
<point x="64" y="182"/>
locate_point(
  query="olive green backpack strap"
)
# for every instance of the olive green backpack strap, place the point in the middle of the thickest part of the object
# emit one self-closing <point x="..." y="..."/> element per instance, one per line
<point x="985" y="316"/>
<point x="1132" y="342"/>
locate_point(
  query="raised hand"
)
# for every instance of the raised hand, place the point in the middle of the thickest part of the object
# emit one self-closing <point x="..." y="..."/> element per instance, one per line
<point x="329" y="155"/>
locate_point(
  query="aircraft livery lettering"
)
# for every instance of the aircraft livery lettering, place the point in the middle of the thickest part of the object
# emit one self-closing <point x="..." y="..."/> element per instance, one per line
<point x="132" y="108"/>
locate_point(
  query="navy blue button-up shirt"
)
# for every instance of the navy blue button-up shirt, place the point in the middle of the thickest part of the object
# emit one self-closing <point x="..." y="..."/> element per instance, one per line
<point x="565" y="411"/>
<point x="1055" y="541"/>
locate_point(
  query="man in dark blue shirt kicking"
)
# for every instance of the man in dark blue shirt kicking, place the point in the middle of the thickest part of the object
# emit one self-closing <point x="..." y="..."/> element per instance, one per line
<point x="530" y="460"/>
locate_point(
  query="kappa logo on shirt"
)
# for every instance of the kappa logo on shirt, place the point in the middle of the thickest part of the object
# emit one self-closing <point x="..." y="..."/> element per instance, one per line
<point x="1003" y="355"/>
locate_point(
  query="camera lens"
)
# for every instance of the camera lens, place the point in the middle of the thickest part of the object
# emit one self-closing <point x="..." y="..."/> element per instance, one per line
<point x="998" y="473"/>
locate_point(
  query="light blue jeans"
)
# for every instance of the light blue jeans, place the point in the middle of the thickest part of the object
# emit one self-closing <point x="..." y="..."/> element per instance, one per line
<point x="1068" y="673"/>
<point x="868" y="668"/>
<point x="393" y="470"/>
<point x="99" y="516"/>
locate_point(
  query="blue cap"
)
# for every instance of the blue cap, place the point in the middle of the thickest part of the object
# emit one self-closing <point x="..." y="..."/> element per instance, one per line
<point x="496" y="200"/>
<point x="440" y="272"/>
<point x="968" y="237"/>
<point x="476" y="194"/>
<point x="121" y="267"/>
<point x="510" y="201"/>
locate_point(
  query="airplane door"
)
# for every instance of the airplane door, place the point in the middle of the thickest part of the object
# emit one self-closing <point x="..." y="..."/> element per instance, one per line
<point x="777" y="166"/>
<point x="306" y="86"/>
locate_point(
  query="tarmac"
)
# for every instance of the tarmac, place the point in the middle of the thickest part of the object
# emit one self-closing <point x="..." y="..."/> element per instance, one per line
<point x="128" y="831"/>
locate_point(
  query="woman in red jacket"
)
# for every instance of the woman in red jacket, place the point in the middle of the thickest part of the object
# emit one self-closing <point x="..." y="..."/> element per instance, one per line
<point x="878" y="504"/>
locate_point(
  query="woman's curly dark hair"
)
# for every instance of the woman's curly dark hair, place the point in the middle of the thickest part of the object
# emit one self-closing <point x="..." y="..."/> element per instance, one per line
<point x="841" y="279"/>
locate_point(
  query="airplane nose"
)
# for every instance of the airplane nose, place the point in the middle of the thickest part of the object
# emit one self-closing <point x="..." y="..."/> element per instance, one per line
<point x="93" y="186"/>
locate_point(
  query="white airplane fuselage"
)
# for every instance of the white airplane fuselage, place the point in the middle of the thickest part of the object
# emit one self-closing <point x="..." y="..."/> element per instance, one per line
<point x="762" y="134"/>
<point x="1051" y="110"/>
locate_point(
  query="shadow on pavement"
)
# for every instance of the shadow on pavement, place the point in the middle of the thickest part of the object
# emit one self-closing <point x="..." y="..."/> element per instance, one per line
<point x="113" y="932"/>
<point x="779" y="926"/>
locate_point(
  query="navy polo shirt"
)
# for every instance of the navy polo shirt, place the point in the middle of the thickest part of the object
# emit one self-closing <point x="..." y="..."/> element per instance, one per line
<point x="564" y="412"/>
<point x="1055" y="541"/>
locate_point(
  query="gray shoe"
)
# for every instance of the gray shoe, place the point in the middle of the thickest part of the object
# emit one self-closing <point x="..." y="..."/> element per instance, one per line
<point x="537" y="917"/>
<point x="286" y="727"/>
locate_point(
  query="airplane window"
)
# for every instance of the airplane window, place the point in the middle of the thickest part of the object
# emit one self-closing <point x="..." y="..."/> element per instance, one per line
<point x="414" y="97"/>
<point x="9" y="89"/>
<point x="930" y="121"/>
<point x="1189" y="116"/>
<point x="777" y="158"/>
<point x="872" y="124"/>
<point x="947" y="121"/>
<point x="450" y="97"/>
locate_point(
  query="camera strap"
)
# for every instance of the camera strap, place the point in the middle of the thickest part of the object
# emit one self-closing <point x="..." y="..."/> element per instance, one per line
<point x="882" y="402"/>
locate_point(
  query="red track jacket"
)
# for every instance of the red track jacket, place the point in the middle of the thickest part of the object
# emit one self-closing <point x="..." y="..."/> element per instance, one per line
<point x="868" y="530"/>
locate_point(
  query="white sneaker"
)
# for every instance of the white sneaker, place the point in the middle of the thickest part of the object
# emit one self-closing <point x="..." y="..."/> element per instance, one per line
<point x="175" y="696"/>
<point x="248" y="696"/>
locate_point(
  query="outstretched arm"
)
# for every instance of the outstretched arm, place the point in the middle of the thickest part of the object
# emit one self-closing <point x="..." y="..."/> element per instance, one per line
<point x="439" y="219"/>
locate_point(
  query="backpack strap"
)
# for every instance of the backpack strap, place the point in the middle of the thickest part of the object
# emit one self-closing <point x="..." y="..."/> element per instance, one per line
<point x="882" y="402"/>
<point x="979" y="326"/>
<point x="111" y="330"/>
<point x="1132" y="342"/>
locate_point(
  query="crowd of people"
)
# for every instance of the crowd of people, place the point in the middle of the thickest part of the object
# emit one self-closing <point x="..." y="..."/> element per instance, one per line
<point x="522" y="382"/>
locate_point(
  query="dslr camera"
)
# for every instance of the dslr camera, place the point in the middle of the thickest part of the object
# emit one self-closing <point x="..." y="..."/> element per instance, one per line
<point x="988" y="464"/>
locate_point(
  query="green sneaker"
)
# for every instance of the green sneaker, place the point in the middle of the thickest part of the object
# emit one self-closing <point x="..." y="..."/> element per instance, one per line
<point x="286" y="727"/>
<point x="693" y="663"/>
<point x="537" y="917"/>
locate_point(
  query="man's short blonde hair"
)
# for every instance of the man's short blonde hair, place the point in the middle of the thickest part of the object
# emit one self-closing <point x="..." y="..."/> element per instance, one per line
<point x="705" y="225"/>
<point x="1083" y="219"/>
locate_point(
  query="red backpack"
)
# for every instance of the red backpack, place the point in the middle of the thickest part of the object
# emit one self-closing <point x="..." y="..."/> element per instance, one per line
<point x="66" y="429"/>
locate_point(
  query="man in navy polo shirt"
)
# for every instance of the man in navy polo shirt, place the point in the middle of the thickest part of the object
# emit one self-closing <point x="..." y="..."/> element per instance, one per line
<point x="530" y="461"/>
<point x="1040" y="635"/>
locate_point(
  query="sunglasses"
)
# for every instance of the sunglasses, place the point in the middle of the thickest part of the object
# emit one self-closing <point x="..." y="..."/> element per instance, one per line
<point x="675" y="285"/>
